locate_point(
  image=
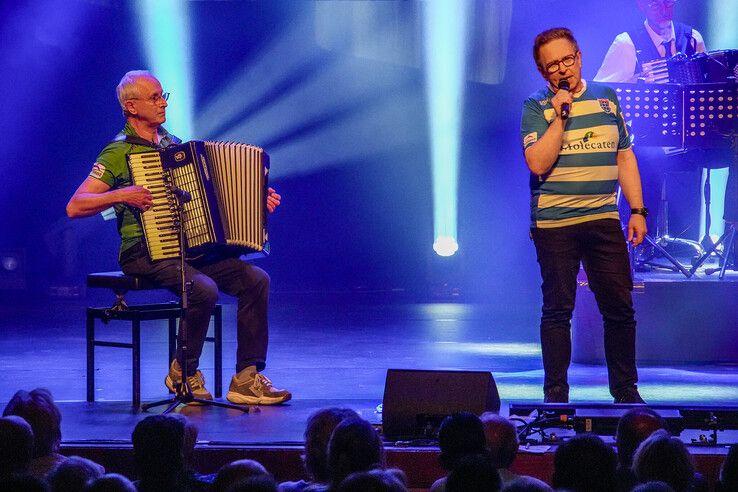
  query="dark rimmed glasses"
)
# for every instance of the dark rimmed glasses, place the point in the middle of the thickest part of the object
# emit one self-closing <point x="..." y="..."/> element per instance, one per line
<point x="567" y="61"/>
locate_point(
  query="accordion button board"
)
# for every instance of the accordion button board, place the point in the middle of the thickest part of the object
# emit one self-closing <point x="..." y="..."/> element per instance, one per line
<point x="226" y="188"/>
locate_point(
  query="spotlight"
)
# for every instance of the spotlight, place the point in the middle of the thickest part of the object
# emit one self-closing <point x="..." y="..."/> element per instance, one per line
<point x="445" y="246"/>
<point x="445" y="56"/>
<point x="12" y="269"/>
<point x="10" y="263"/>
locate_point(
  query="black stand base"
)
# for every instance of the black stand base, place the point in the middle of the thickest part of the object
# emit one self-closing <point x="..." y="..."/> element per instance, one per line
<point x="662" y="251"/>
<point x="183" y="395"/>
<point x="728" y="238"/>
<point x="185" y="399"/>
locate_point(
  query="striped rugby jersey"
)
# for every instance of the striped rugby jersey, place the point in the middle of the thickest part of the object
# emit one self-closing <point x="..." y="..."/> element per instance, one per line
<point x="582" y="184"/>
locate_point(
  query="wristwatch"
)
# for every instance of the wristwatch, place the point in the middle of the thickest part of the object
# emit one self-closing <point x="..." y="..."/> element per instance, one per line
<point x="639" y="211"/>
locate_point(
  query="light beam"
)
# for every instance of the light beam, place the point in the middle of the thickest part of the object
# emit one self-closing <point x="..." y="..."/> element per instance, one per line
<point x="165" y="28"/>
<point x="445" y="51"/>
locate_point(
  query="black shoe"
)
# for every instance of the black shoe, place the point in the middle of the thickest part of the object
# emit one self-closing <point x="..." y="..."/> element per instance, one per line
<point x="556" y="395"/>
<point x="629" y="395"/>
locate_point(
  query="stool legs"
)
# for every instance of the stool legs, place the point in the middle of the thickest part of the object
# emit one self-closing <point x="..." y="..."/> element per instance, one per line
<point x="136" y="341"/>
<point x="172" y="339"/>
<point x="147" y="313"/>
<point x="90" y="356"/>
<point x="218" y="349"/>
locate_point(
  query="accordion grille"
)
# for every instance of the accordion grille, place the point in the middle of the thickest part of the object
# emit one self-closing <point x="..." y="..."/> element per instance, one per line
<point x="239" y="174"/>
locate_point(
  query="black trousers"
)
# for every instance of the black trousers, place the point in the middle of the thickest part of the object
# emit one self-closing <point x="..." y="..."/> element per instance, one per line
<point x="731" y="194"/>
<point x="601" y="248"/>
<point x="248" y="283"/>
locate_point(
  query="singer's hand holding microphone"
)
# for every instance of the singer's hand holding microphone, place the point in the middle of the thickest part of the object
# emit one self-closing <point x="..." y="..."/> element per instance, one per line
<point x="562" y="100"/>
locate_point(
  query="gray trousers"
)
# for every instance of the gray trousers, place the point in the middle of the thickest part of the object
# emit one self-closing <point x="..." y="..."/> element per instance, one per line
<point x="242" y="280"/>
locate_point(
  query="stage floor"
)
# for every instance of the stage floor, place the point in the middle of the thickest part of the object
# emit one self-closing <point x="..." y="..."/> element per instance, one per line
<point x="328" y="350"/>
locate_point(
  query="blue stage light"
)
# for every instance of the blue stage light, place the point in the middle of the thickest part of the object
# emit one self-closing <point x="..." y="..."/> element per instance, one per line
<point x="721" y="34"/>
<point x="722" y="19"/>
<point x="165" y="28"/>
<point x="445" y="53"/>
<point x="718" y="184"/>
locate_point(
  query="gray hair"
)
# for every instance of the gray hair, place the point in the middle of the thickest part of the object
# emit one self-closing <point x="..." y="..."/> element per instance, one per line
<point x="127" y="88"/>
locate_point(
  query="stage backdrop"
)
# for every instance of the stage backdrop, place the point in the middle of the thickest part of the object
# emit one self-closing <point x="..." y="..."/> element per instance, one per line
<point x="334" y="91"/>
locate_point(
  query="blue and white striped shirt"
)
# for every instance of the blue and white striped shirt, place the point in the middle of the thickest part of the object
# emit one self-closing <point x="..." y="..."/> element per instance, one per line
<point x="582" y="184"/>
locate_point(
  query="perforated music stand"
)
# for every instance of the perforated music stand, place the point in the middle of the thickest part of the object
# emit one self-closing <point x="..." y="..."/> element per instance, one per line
<point x="655" y="113"/>
<point x="711" y="121"/>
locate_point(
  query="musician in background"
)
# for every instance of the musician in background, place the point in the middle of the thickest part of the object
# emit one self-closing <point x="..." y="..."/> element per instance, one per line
<point x="109" y="184"/>
<point x="578" y="149"/>
<point x="658" y="37"/>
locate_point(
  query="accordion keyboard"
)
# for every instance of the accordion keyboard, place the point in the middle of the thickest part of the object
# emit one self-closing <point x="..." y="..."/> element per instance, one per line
<point x="158" y="222"/>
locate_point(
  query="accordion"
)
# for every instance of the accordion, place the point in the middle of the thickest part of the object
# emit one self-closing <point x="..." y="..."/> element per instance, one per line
<point x="226" y="188"/>
<point x="715" y="66"/>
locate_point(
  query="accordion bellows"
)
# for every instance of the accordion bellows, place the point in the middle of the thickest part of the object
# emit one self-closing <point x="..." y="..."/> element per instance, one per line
<point x="226" y="184"/>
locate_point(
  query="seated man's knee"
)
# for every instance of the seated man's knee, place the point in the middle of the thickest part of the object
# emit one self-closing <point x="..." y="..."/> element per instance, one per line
<point x="204" y="290"/>
<point x="263" y="278"/>
<point x="254" y="278"/>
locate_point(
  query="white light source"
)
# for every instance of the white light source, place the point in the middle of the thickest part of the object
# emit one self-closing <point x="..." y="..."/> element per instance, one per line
<point x="445" y="246"/>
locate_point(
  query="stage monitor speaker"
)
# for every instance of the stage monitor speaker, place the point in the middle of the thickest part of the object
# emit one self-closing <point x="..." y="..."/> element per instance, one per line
<point x="416" y="401"/>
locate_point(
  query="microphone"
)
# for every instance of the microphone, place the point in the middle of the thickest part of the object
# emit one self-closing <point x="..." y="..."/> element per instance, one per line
<point x="182" y="195"/>
<point x="566" y="107"/>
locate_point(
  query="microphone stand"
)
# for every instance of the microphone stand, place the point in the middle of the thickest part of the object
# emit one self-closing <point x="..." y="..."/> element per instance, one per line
<point x="183" y="394"/>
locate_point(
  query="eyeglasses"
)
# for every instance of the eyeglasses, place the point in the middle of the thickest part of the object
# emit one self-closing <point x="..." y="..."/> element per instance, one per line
<point x="567" y="61"/>
<point x="155" y="99"/>
<point x="658" y="3"/>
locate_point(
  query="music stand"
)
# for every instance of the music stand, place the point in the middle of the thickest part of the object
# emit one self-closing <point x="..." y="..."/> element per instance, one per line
<point x="728" y="238"/>
<point x="655" y="112"/>
<point x="711" y="121"/>
<point x="183" y="394"/>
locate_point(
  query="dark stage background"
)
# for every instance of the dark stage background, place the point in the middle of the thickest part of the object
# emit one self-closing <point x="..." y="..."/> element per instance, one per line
<point x="346" y="126"/>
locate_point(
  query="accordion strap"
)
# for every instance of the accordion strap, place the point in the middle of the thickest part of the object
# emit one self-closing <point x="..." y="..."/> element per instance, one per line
<point x="136" y="140"/>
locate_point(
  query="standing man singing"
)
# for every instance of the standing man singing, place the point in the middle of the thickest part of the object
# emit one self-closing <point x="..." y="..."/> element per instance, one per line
<point x="578" y="149"/>
<point x="144" y="105"/>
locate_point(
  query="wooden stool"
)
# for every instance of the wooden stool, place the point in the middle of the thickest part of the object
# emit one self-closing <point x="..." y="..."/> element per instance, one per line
<point x="120" y="283"/>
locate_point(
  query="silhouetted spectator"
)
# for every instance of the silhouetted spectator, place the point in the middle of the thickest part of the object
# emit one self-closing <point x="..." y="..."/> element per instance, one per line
<point x="460" y="435"/>
<point x="473" y="473"/>
<point x="634" y="427"/>
<point x="526" y="484"/>
<point x="197" y="480"/>
<point x="16" y="446"/>
<point x="158" y="452"/>
<point x="652" y="487"/>
<point x="355" y="446"/>
<point x="664" y="458"/>
<point x="256" y="483"/>
<point x="235" y="472"/>
<point x="729" y="471"/>
<point x="42" y="414"/>
<point x="74" y="474"/>
<point x="584" y="464"/>
<point x="502" y="444"/>
<point x="112" y="482"/>
<point x="373" y="481"/>
<point x="23" y="483"/>
<point x="320" y="426"/>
